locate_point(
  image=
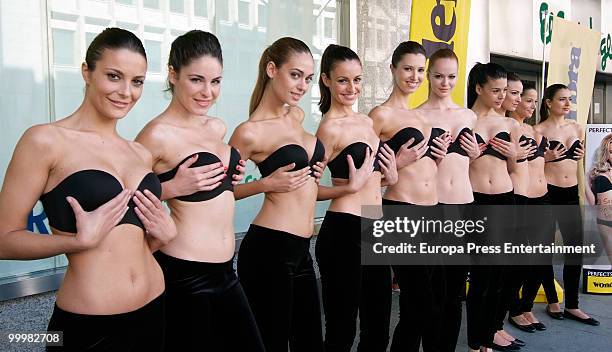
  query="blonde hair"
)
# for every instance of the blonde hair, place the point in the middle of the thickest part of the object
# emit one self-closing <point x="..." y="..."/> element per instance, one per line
<point x="602" y="164"/>
<point x="278" y="53"/>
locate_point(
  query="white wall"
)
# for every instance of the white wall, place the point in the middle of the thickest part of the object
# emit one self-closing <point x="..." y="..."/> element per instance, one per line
<point x="478" y="37"/>
<point x="510" y="22"/>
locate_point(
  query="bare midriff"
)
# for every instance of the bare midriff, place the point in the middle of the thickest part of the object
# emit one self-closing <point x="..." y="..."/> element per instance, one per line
<point x="291" y="212"/>
<point x="120" y="275"/>
<point x="417" y="184"/>
<point x="489" y="175"/>
<point x="205" y="229"/>
<point x="454" y="180"/>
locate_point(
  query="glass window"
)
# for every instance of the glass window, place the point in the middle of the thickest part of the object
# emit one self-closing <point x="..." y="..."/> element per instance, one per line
<point x="151" y="4"/>
<point x="125" y="2"/>
<point x="21" y="61"/>
<point x="89" y="37"/>
<point x="63" y="47"/>
<point x="222" y="8"/>
<point x="243" y="12"/>
<point x="328" y="27"/>
<point x="153" y="49"/>
<point x="262" y="15"/>
<point x="24" y="100"/>
<point x="177" y="6"/>
<point x="200" y="8"/>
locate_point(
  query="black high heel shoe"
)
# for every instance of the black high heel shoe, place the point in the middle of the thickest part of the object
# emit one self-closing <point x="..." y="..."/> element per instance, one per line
<point x="539" y="326"/>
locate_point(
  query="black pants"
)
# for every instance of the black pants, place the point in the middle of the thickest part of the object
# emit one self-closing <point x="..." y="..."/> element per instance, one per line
<point x="456" y="276"/>
<point x="139" y="330"/>
<point x="538" y="232"/>
<point x="206" y="307"/>
<point x="422" y="297"/>
<point x="569" y="221"/>
<point x="349" y="288"/>
<point x="484" y="300"/>
<point x="275" y="269"/>
<point x="516" y="275"/>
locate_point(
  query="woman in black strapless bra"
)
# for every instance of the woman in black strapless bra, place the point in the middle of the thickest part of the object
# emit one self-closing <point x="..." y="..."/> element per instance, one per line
<point x="536" y="199"/>
<point x="492" y="185"/>
<point x="516" y="275"/>
<point x="453" y="179"/>
<point x="565" y="138"/>
<point x="274" y="263"/>
<point x="85" y="174"/>
<point x="206" y="306"/>
<point x="358" y="169"/>
<point x="418" y="149"/>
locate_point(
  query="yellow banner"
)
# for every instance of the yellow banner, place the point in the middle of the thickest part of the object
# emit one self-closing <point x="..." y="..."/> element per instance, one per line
<point x="440" y="24"/>
<point x="598" y="281"/>
<point x="573" y="61"/>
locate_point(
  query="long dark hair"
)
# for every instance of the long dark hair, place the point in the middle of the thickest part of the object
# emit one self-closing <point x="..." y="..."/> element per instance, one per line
<point x="479" y="75"/>
<point x="549" y="94"/>
<point x="279" y="52"/>
<point x="331" y="56"/>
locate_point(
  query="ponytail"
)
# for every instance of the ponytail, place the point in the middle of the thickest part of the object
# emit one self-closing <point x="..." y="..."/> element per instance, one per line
<point x="278" y="53"/>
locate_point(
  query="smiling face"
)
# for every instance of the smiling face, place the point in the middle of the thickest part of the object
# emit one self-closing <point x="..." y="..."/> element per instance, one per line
<point x="443" y="77"/>
<point x="492" y="93"/>
<point x="561" y="103"/>
<point x="291" y="80"/>
<point x="528" y="103"/>
<point x="198" y="84"/>
<point x="513" y="95"/>
<point x="409" y="73"/>
<point x="345" y="82"/>
<point x="116" y="83"/>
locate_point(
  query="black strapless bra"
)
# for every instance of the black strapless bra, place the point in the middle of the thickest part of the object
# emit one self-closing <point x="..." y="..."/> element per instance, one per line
<point x="539" y="153"/>
<point x="601" y="184"/>
<point x="339" y="166"/>
<point x="569" y="154"/>
<point x="489" y="150"/>
<point x="530" y="141"/>
<point x="291" y="153"/>
<point x="91" y="188"/>
<point x="206" y="158"/>
<point x="455" y="146"/>
<point x="405" y="134"/>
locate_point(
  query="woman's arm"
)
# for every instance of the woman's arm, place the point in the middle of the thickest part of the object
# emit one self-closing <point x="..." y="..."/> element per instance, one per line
<point x="24" y="182"/>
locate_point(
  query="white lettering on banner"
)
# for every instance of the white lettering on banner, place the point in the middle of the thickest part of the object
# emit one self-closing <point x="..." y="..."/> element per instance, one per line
<point x="573" y="79"/>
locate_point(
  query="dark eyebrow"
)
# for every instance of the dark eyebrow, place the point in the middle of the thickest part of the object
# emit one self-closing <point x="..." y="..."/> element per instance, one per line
<point x="300" y="71"/>
<point x="115" y="70"/>
<point x="195" y="75"/>
<point x="118" y="72"/>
